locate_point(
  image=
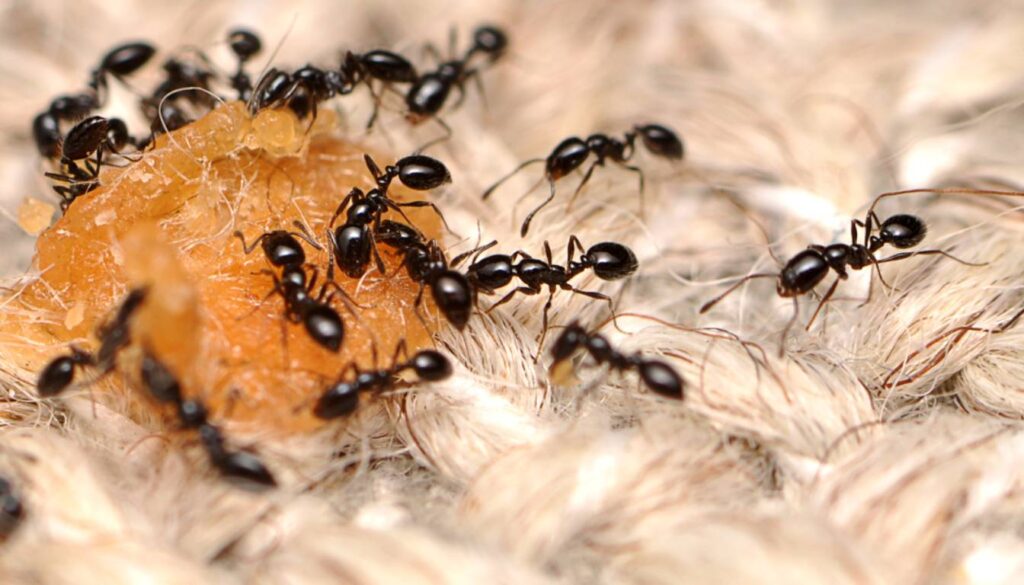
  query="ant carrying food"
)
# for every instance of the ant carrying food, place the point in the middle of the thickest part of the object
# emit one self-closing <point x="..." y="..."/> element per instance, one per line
<point x="808" y="268"/>
<point x="430" y="91"/>
<point x="427" y="264"/>
<point x="657" y="375"/>
<point x="609" y="261"/>
<point x="342" y="398"/>
<point x="353" y="241"/>
<point x="242" y="465"/>
<point x="46" y="131"/>
<point x="300" y="91"/>
<point x="11" y="509"/>
<point x="114" y="335"/>
<point x="571" y="153"/>
<point x="283" y="250"/>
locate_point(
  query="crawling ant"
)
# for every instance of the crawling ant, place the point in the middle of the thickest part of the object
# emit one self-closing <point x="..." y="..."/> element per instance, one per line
<point x="114" y="335"/>
<point x="120" y="62"/>
<point x="571" y="153"/>
<point x="429" y="93"/>
<point x="163" y="385"/>
<point x="94" y="135"/>
<point x="426" y="264"/>
<point x="657" y="375"/>
<point x="353" y="241"/>
<point x="11" y="509"/>
<point x="808" y="268"/>
<point x="384" y="66"/>
<point x="342" y="398"/>
<point x="321" y="321"/>
<point x="300" y="91"/>
<point x="245" y="45"/>
<point x="609" y="261"/>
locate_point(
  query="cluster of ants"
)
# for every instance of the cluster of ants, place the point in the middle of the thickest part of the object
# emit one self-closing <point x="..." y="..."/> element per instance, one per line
<point x="358" y="226"/>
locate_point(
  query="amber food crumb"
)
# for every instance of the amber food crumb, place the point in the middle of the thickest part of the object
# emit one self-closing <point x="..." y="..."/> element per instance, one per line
<point x="34" y="215"/>
<point x="167" y="221"/>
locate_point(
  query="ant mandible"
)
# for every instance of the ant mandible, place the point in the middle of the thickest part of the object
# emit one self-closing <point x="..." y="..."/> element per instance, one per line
<point x="808" y="268"/>
<point x="571" y="153"/>
<point x="657" y="375"/>
<point x="608" y="260"/>
<point x="353" y="241"/>
<point x="342" y="398"/>
<point x="282" y="250"/>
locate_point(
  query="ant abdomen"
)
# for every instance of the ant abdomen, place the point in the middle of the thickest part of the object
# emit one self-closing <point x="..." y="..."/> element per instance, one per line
<point x="661" y="141"/>
<point x="422" y="173"/>
<point x="85" y="137"/>
<point x="903" y="231"/>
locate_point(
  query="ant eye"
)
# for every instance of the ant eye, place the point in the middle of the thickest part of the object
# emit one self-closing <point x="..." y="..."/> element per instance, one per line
<point x="431" y="365"/>
<point x="903" y="231"/>
<point x="422" y="172"/>
<point x="661" y="141"/>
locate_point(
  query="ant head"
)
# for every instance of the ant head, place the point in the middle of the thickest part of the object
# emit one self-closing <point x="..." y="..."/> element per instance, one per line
<point x="573" y="337"/>
<point x="117" y="134"/>
<point x="431" y="365"/>
<point x="661" y="141"/>
<point x="282" y="249"/>
<point x="244" y="44"/>
<point x="160" y="382"/>
<point x="56" y="376"/>
<point x="662" y="379"/>
<point x="422" y="173"/>
<point x="610" y="260"/>
<point x="903" y="231"/>
<point x="490" y="40"/>
<point x="244" y="466"/>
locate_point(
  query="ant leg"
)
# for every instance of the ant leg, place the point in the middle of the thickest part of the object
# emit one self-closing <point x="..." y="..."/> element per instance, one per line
<point x="276" y="290"/>
<point x="376" y="255"/>
<point x="526" y="223"/>
<point x="586" y="177"/>
<point x="416" y="307"/>
<point x="789" y="325"/>
<point x="547" y="253"/>
<point x="377" y="101"/>
<point x="521" y="289"/>
<point x="443" y="138"/>
<point x="400" y="350"/>
<point x="707" y="306"/>
<point x="821" y="304"/>
<point x="640" y="174"/>
<point x="355" y="192"/>
<point x="429" y="204"/>
<point x="544" y="325"/>
<point x="521" y="166"/>
<point x="478" y="250"/>
<point x="903" y="255"/>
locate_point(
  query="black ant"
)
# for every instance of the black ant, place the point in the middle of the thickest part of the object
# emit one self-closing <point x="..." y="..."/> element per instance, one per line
<point x="353" y="242"/>
<point x="426" y="264"/>
<point x="429" y="93"/>
<point x="380" y="65"/>
<point x="571" y="153"/>
<point x="608" y="260"/>
<point x="300" y="91"/>
<point x="808" y="268"/>
<point x="95" y="135"/>
<point x="183" y="82"/>
<point x="245" y="45"/>
<point x="657" y="375"/>
<point x="321" y="321"/>
<point x="120" y="62"/>
<point x="342" y="398"/>
<point x="11" y="509"/>
<point x="163" y="385"/>
<point x="114" y="335"/>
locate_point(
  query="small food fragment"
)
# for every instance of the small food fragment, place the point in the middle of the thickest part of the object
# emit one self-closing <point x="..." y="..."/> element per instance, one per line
<point x="34" y="216"/>
<point x="167" y="223"/>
